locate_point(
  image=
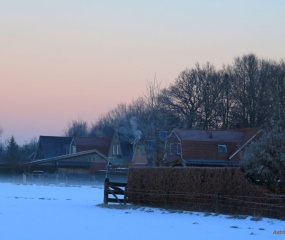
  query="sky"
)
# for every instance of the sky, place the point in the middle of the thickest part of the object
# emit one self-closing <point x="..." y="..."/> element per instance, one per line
<point x="64" y="60"/>
<point x="30" y="211"/>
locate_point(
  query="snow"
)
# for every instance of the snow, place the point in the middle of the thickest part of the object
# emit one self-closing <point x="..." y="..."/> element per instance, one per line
<point x="31" y="211"/>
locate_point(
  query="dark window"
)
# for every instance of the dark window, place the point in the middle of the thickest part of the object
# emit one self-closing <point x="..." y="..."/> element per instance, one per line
<point x="222" y="148"/>
<point x="178" y="148"/>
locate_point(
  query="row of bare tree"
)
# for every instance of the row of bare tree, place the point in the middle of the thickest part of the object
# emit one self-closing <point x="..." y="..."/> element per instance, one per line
<point x="248" y="93"/>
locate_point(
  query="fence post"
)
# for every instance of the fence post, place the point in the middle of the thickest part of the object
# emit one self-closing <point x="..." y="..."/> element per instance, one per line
<point x="24" y="178"/>
<point x="106" y="189"/>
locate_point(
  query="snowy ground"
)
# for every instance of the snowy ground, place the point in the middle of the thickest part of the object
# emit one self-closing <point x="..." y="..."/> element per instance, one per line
<point x="76" y="212"/>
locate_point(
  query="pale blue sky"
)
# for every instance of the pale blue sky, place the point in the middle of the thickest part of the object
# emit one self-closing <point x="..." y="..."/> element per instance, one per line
<point x="63" y="60"/>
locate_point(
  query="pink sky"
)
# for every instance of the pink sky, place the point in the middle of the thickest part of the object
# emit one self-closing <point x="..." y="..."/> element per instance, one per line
<point x="66" y="60"/>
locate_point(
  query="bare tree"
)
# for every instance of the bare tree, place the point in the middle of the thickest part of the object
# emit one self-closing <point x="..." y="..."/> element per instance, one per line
<point x="211" y="88"/>
<point x="155" y="122"/>
<point x="185" y="97"/>
<point x="252" y="86"/>
<point x="77" y="128"/>
<point x="278" y="95"/>
<point x="225" y="103"/>
<point x="122" y="119"/>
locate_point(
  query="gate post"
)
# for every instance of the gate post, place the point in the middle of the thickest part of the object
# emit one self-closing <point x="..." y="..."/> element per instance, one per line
<point x="106" y="189"/>
<point x="24" y="178"/>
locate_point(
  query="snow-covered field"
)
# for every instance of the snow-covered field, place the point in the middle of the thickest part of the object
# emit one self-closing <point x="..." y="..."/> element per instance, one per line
<point x="76" y="212"/>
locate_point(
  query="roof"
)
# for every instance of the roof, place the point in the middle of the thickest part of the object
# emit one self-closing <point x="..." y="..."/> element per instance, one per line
<point x="53" y="146"/>
<point x="249" y="133"/>
<point x="101" y="144"/>
<point x="200" y="146"/>
<point x="76" y="157"/>
<point x="210" y="135"/>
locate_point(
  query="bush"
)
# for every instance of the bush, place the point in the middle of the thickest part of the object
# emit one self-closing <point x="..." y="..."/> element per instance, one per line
<point x="265" y="159"/>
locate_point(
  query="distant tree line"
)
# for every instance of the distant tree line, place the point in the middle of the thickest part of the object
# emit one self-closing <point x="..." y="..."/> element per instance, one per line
<point x="248" y="93"/>
<point x="12" y="153"/>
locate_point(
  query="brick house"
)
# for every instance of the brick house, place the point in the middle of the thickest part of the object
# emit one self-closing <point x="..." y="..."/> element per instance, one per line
<point x="140" y="158"/>
<point x="207" y="147"/>
<point x="149" y="150"/>
<point x="80" y="144"/>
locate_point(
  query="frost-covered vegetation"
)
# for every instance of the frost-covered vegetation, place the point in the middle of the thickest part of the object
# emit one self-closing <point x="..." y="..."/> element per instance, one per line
<point x="265" y="159"/>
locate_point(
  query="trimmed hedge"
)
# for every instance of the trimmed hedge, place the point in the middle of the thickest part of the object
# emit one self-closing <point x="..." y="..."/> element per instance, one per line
<point x="220" y="190"/>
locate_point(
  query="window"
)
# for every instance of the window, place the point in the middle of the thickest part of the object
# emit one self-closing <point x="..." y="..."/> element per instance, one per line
<point x="178" y="148"/>
<point x="171" y="148"/>
<point x="118" y="149"/>
<point x="73" y="149"/>
<point x="142" y="152"/>
<point x="222" y="148"/>
<point x="114" y="149"/>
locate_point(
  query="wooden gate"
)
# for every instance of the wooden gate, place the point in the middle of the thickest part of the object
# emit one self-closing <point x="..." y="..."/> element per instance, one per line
<point x="117" y="190"/>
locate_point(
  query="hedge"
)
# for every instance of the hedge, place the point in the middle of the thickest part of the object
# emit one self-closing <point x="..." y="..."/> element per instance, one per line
<point x="220" y="190"/>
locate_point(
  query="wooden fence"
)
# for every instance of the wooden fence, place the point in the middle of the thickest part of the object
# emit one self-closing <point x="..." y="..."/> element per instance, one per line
<point x="117" y="190"/>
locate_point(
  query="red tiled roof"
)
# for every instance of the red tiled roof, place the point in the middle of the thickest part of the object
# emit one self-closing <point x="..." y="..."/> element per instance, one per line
<point x="89" y="143"/>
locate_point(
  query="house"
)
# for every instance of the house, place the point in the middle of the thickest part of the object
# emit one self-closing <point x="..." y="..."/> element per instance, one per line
<point x="149" y="150"/>
<point x="84" y="162"/>
<point x="118" y="152"/>
<point x="121" y="151"/>
<point x="71" y="154"/>
<point x="82" y="154"/>
<point x="52" y="146"/>
<point x="207" y="147"/>
<point x="100" y="144"/>
<point x="80" y="144"/>
<point x="140" y="158"/>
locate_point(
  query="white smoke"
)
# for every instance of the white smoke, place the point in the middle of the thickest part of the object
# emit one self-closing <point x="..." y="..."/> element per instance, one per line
<point x="137" y="133"/>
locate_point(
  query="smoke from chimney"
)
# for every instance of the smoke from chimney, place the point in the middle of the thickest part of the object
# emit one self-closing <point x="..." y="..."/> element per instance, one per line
<point x="137" y="133"/>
